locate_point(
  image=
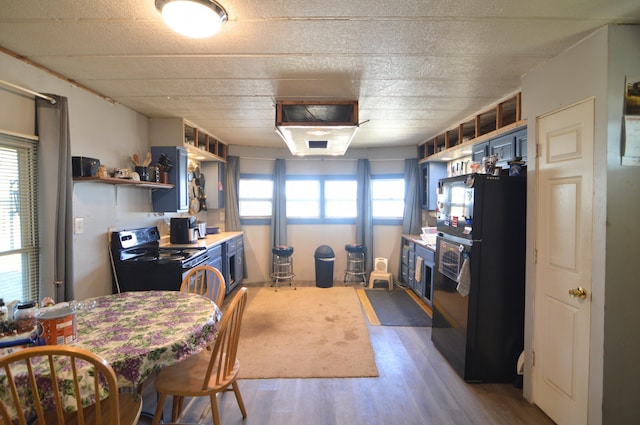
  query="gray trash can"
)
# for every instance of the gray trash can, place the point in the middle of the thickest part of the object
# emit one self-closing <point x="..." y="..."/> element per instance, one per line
<point x="325" y="258"/>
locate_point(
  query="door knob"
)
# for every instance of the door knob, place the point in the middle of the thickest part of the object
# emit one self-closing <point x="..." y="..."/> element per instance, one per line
<point x="579" y="292"/>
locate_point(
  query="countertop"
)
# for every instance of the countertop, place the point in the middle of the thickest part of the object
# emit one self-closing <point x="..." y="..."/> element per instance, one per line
<point x="209" y="242"/>
<point x="418" y="240"/>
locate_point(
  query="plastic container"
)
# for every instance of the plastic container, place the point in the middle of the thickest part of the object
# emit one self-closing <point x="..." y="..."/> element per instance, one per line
<point x="58" y="325"/>
<point x="24" y="316"/>
<point x="324" y="259"/>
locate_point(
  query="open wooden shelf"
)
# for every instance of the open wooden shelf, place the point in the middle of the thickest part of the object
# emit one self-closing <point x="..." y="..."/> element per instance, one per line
<point x="128" y="182"/>
<point x="200" y="143"/>
<point x="457" y="141"/>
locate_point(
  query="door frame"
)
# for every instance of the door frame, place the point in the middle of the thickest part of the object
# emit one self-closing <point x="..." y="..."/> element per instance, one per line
<point x="598" y="252"/>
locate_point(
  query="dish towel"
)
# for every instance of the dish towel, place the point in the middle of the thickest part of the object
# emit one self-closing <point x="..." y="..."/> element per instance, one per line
<point x="418" y="275"/>
<point x="464" y="279"/>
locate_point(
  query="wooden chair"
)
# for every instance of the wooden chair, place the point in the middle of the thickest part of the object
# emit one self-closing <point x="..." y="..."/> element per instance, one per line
<point x="40" y="378"/>
<point x="208" y="372"/>
<point x="207" y="281"/>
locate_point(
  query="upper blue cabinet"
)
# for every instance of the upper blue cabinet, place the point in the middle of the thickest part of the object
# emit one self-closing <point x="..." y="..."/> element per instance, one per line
<point x="430" y="174"/>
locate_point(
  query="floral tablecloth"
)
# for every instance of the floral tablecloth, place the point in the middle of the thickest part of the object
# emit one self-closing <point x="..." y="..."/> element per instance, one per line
<point x="139" y="333"/>
<point x="142" y="332"/>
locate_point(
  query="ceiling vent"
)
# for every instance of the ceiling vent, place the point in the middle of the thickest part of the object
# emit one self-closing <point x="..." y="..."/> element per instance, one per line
<point x="317" y="128"/>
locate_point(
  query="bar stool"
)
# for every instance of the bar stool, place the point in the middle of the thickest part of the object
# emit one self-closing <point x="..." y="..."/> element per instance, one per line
<point x="355" y="263"/>
<point x="282" y="265"/>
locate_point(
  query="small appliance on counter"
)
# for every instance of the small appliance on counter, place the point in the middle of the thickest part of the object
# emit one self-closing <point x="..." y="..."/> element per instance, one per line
<point x="183" y="230"/>
<point x="82" y="166"/>
<point x="202" y="230"/>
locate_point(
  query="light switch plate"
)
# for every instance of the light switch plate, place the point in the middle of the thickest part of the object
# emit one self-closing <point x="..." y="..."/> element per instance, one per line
<point x="78" y="225"/>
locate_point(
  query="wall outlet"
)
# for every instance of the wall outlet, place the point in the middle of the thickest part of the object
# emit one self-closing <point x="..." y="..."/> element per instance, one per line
<point x="78" y="225"/>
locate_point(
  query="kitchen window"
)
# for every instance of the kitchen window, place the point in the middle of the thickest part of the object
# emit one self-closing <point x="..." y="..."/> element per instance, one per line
<point x="387" y="193"/>
<point x="320" y="199"/>
<point x="19" y="251"/>
<point x="255" y="195"/>
<point x="324" y="199"/>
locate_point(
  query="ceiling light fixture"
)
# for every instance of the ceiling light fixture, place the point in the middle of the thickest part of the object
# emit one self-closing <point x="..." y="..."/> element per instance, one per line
<point x="192" y="18"/>
<point x="317" y="128"/>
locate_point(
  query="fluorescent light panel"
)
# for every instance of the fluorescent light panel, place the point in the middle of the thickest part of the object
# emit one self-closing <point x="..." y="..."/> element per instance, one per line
<point x="317" y="128"/>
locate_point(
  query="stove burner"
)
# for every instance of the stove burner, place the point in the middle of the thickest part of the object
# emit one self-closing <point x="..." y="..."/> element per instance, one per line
<point x="145" y="258"/>
<point x="177" y="256"/>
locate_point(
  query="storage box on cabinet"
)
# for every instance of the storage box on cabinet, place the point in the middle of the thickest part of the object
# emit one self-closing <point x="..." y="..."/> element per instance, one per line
<point x="177" y="198"/>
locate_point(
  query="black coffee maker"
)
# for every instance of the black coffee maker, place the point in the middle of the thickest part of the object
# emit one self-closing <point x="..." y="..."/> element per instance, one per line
<point x="183" y="230"/>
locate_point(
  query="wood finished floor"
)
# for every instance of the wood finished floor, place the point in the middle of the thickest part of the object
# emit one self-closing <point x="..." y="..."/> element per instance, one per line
<point x="416" y="386"/>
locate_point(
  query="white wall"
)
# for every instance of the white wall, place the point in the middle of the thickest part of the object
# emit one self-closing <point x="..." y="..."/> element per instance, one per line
<point x="621" y="384"/>
<point x="98" y="129"/>
<point x="596" y="67"/>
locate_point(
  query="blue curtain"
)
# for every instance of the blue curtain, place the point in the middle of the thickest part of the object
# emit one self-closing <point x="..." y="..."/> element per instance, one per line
<point x="364" y="220"/>
<point x="232" y="213"/>
<point x="412" y="221"/>
<point x="232" y="210"/>
<point x="279" y="206"/>
<point x="54" y="151"/>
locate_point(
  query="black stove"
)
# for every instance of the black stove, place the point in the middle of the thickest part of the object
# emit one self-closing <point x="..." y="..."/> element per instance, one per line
<point x="139" y="263"/>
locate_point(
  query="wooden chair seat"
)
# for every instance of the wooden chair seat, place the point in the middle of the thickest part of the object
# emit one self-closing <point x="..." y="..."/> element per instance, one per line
<point x="210" y="371"/>
<point x="57" y="384"/>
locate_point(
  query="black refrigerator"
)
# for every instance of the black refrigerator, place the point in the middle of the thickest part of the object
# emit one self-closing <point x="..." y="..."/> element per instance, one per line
<point x="478" y="297"/>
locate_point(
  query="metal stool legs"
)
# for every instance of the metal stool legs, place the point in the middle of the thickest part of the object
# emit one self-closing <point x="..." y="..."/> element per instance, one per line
<point x="282" y="266"/>
<point x="356" y="269"/>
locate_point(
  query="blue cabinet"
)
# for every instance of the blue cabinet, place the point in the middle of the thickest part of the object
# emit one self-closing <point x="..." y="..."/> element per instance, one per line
<point x="233" y="262"/>
<point x="215" y="257"/>
<point x="424" y="264"/>
<point x="430" y="174"/>
<point x="177" y="198"/>
<point x="521" y="144"/>
<point x="503" y="147"/>
<point x="479" y="151"/>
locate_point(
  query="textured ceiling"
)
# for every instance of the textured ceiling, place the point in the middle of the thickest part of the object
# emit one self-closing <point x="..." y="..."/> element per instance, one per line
<point x="417" y="67"/>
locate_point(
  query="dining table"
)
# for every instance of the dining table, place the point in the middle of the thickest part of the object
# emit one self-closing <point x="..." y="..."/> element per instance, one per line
<point x="140" y="332"/>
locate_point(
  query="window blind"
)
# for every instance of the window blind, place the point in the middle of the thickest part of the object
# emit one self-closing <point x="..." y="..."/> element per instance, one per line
<point x="19" y="251"/>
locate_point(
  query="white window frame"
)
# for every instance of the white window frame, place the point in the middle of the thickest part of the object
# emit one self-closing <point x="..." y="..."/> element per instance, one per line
<point x="266" y="196"/>
<point x="378" y="198"/>
<point x="19" y="246"/>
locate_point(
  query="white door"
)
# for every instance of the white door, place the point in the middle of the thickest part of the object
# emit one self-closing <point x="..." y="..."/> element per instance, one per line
<point x="563" y="245"/>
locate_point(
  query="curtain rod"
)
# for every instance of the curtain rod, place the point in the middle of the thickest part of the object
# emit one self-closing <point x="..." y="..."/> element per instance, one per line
<point x="31" y="92"/>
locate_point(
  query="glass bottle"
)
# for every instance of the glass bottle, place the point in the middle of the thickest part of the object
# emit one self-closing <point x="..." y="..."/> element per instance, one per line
<point x="4" y="313"/>
<point x="24" y="316"/>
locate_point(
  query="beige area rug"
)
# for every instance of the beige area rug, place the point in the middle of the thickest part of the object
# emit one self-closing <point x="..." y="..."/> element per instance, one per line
<point x="305" y="333"/>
